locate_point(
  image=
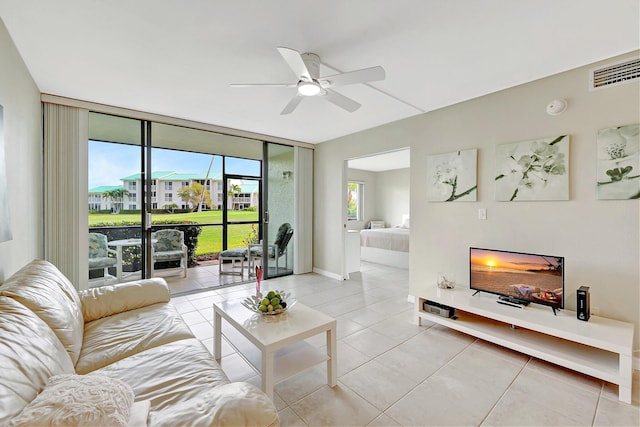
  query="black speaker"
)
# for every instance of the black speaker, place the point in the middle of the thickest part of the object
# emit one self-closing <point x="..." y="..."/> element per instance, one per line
<point x="439" y="309"/>
<point x="584" y="307"/>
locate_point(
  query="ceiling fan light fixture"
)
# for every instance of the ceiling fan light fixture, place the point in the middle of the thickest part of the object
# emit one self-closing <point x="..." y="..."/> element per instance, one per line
<point x="308" y="83"/>
<point x="308" y="88"/>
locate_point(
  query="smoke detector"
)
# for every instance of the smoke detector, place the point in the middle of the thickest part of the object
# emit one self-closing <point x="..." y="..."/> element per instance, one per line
<point x="556" y="107"/>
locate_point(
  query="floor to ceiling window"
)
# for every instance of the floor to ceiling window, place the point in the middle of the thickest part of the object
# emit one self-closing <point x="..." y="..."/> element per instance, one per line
<point x="115" y="169"/>
<point x="150" y="180"/>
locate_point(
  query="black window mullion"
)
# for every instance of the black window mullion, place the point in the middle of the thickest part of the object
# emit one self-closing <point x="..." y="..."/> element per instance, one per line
<point x="147" y="177"/>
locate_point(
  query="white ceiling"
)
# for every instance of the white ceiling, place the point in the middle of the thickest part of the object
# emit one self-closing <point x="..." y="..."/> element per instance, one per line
<point x="178" y="57"/>
<point x="400" y="159"/>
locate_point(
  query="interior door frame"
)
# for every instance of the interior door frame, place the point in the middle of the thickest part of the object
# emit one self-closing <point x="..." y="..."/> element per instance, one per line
<point x="343" y="216"/>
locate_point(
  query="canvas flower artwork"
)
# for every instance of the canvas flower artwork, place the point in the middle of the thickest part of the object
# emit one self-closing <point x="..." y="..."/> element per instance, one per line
<point x="619" y="162"/>
<point x="452" y="176"/>
<point x="533" y="170"/>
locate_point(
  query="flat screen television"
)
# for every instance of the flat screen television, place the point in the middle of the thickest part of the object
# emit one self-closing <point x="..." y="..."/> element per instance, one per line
<point x="518" y="277"/>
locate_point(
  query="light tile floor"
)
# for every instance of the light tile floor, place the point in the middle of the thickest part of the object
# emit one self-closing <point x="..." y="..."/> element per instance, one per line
<point x="392" y="372"/>
<point x="199" y="278"/>
<point x="204" y="277"/>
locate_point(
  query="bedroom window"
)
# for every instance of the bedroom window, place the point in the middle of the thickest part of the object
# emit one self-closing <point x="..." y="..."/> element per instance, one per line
<point x="355" y="191"/>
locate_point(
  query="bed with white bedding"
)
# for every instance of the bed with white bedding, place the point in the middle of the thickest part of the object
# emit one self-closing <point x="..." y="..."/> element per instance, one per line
<point x="392" y="239"/>
<point x="389" y="246"/>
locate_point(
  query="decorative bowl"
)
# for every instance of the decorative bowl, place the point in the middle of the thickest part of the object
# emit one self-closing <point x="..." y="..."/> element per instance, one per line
<point x="254" y="302"/>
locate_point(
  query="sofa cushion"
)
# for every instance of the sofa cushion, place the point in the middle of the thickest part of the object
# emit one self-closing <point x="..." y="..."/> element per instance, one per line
<point x="43" y="289"/>
<point x="30" y="353"/>
<point x="187" y="387"/>
<point x="139" y="413"/>
<point x="108" y="300"/>
<point x="109" y="339"/>
<point x="79" y="400"/>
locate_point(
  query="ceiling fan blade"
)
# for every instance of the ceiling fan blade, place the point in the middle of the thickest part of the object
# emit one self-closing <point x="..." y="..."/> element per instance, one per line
<point x="295" y="62"/>
<point x="262" y="84"/>
<point x="292" y="104"/>
<point x="359" y="76"/>
<point x="341" y="101"/>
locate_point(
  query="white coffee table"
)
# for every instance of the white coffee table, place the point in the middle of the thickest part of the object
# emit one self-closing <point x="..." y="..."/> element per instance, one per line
<point x="280" y="340"/>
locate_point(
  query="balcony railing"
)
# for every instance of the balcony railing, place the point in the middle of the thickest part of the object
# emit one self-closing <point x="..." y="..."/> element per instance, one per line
<point x="132" y="255"/>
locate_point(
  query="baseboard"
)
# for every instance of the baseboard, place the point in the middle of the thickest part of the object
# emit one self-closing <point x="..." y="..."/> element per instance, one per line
<point x="327" y="274"/>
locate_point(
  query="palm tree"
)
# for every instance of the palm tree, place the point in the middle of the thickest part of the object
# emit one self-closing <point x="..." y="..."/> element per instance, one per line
<point x="171" y="207"/>
<point x="233" y="191"/>
<point x="195" y="195"/>
<point x="115" y="196"/>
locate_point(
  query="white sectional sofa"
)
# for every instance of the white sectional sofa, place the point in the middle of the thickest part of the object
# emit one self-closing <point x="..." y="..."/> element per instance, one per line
<point x="127" y="334"/>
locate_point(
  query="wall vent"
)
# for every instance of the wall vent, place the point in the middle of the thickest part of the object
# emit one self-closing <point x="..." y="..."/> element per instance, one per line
<point x="614" y="74"/>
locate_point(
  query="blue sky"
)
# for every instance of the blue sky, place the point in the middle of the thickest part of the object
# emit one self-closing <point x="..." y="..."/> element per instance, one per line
<point x="109" y="162"/>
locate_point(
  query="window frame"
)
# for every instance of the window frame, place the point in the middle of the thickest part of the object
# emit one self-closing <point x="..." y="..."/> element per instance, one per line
<point x="360" y="200"/>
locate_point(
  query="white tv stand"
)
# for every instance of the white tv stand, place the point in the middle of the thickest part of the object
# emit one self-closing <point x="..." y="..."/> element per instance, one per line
<point x="601" y="347"/>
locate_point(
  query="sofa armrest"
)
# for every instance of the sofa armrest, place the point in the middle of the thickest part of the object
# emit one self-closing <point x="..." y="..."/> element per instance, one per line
<point x="109" y="300"/>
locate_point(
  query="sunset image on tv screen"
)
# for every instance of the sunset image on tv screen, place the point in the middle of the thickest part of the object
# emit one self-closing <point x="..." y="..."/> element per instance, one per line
<point x="530" y="277"/>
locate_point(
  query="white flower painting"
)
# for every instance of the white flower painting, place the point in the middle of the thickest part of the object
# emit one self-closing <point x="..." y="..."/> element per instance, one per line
<point x="5" y="220"/>
<point x="619" y="162"/>
<point x="451" y="177"/>
<point x="533" y="170"/>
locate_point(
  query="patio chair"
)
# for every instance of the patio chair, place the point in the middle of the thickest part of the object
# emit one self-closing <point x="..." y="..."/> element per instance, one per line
<point x="99" y="258"/>
<point x="168" y="245"/>
<point x="275" y="251"/>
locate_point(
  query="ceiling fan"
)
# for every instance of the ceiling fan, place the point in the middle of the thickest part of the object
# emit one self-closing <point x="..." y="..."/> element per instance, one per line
<point x="306" y="67"/>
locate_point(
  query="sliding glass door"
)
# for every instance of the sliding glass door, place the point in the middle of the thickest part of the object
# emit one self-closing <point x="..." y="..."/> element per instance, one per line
<point x="279" y="210"/>
<point x="211" y="192"/>
<point x="165" y="200"/>
<point x="116" y="166"/>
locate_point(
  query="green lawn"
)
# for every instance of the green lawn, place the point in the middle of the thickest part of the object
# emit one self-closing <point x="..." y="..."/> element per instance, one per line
<point x="210" y="239"/>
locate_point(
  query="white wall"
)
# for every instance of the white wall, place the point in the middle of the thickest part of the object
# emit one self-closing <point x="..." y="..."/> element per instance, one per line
<point x="600" y="239"/>
<point x="23" y="146"/>
<point x="393" y="195"/>
<point x="386" y="196"/>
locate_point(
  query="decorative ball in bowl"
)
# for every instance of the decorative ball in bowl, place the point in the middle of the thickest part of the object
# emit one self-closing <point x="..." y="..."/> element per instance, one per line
<point x="273" y="302"/>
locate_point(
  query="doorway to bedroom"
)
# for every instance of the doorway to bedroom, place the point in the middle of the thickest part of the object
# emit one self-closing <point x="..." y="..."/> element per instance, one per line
<point x="376" y="221"/>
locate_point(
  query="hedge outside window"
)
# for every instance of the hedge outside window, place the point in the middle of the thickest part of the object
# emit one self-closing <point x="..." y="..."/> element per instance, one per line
<point x="355" y="204"/>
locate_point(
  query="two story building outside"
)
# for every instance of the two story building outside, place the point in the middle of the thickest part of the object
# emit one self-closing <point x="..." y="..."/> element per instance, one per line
<point x="165" y="186"/>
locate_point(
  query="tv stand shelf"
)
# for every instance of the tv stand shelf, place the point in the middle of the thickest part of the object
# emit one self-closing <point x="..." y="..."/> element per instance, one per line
<point x="601" y="347"/>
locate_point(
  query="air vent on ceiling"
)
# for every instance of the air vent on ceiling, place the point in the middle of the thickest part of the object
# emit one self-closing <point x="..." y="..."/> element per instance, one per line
<point x="614" y="74"/>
